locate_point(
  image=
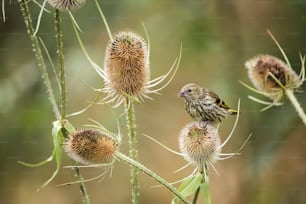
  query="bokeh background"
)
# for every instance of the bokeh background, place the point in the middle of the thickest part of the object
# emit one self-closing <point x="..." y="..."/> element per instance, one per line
<point x="218" y="36"/>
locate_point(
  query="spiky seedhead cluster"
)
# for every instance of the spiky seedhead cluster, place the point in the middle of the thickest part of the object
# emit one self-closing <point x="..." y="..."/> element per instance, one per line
<point x="91" y="146"/>
<point x="199" y="142"/>
<point x="67" y="5"/>
<point x="271" y="76"/>
<point x="126" y="66"/>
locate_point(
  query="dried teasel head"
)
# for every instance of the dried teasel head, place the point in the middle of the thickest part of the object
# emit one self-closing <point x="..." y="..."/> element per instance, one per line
<point x="199" y="143"/>
<point x="90" y="146"/>
<point x="67" y="5"/>
<point x="272" y="76"/>
<point x="126" y="69"/>
<point x="127" y="65"/>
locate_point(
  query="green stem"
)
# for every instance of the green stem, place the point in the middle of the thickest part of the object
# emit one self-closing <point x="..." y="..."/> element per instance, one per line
<point x="203" y="172"/>
<point x="153" y="175"/>
<point x="59" y="43"/>
<point x="196" y="194"/>
<point x="37" y="52"/>
<point x="82" y="186"/>
<point x="296" y="104"/>
<point x="131" y="126"/>
<point x="62" y="77"/>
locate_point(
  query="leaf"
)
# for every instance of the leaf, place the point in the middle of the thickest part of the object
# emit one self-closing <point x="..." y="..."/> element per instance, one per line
<point x="68" y="126"/>
<point x="188" y="187"/>
<point x="58" y="138"/>
<point x="205" y="191"/>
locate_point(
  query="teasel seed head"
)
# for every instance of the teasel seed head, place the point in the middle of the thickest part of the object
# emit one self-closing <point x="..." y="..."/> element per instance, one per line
<point x="271" y="76"/>
<point x="90" y="146"/>
<point x="199" y="142"/>
<point x="126" y="66"/>
<point x="67" y="5"/>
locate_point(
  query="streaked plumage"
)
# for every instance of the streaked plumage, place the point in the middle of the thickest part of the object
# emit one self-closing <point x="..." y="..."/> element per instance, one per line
<point x="203" y="104"/>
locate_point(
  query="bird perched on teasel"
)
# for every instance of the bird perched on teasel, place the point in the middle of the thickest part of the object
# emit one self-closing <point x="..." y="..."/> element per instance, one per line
<point x="203" y="104"/>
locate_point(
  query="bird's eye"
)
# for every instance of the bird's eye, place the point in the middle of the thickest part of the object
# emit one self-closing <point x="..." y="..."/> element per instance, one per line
<point x="189" y="90"/>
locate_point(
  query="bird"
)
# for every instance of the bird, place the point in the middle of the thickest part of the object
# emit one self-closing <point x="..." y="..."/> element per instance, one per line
<point x="204" y="105"/>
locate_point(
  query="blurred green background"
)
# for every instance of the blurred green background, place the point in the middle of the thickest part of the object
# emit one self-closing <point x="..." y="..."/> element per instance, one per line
<point x="218" y="37"/>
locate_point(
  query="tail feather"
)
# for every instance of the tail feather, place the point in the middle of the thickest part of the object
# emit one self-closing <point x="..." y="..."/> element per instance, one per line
<point x="232" y="112"/>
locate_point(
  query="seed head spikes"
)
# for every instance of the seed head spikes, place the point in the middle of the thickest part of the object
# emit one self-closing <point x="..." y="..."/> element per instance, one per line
<point x="199" y="143"/>
<point x="127" y="65"/>
<point x="271" y="76"/>
<point x="67" y="5"/>
<point x="126" y="69"/>
<point x="91" y="146"/>
<point x="274" y="78"/>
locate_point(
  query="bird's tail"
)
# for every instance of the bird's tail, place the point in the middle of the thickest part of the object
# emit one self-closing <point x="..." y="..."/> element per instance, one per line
<point x="232" y="112"/>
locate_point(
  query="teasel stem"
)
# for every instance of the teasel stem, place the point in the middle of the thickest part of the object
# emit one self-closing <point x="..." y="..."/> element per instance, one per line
<point x="153" y="175"/>
<point x="297" y="106"/>
<point x="131" y="126"/>
<point x="203" y="180"/>
<point x="62" y="77"/>
<point x="82" y="185"/>
<point x="38" y="54"/>
<point x="59" y="44"/>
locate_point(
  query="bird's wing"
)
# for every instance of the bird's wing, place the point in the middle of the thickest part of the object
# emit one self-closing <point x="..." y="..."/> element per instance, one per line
<point x="219" y="101"/>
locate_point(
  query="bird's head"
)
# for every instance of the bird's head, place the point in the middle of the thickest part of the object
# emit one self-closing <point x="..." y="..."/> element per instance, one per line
<point x="190" y="91"/>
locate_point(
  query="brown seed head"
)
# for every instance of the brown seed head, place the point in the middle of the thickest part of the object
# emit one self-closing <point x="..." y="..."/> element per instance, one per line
<point x="126" y="65"/>
<point x="200" y="143"/>
<point x="90" y="146"/>
<point x="260" y="69"/>
<point x="67" y="5"/>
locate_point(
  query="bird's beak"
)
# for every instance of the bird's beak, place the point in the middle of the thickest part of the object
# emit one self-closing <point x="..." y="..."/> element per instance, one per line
<point x="181" y="94"/>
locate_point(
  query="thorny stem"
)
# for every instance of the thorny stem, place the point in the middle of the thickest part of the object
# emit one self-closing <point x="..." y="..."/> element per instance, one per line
<point x="152" y="175"/>
<point x="82" y="186"/>
<point x="62" y="76"/>
<point x="59" y="43"/>
<point x="37" y="52"/>
<point x="131" y="126"/>
<point x="289" y="93"/>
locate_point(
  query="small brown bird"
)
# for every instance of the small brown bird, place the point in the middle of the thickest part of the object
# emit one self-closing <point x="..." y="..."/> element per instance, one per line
<point x="203" y="104"/>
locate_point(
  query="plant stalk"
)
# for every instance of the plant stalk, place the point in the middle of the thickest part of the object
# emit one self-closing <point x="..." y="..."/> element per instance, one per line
<point x="82" y="186"/>
<point x="196" y="194"/>
<point x="39" y="57"/>
<point x="153" y="175"/>
<point x="289" y="93"/>
<point x="203" y="172"/>
<point x="131" y="126"/>
<point x="62" y="78"/>
<point x="59" y="43"/>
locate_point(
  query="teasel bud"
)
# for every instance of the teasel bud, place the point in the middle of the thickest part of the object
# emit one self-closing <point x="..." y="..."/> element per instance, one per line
<point x="126" y="66"/>
<point x="67" y="5"/>
<point x="90" y="146"/>
<point x="272" y="76"/>
<point x="199" y="143"/>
